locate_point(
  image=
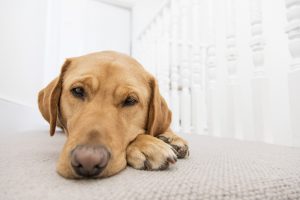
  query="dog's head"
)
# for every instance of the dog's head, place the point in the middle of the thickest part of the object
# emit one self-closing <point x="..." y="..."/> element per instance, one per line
<point x="102" y="101"/>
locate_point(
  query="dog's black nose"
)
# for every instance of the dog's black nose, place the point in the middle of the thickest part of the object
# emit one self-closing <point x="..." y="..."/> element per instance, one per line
<point x="89" y="161"/>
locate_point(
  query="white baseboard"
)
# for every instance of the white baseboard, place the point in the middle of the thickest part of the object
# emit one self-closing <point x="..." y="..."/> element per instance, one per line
<point x="13" y="101"/>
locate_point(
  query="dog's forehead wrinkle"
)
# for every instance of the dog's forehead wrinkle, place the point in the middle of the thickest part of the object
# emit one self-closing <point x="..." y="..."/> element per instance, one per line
<point x="112" y="67"/>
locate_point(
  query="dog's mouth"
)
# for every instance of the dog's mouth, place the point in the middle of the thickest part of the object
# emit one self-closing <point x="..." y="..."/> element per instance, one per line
<point x="89" y="161"/>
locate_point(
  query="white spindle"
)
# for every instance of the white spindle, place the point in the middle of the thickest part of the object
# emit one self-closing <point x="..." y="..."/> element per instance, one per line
<point x="257" y="43"/>
<point x="141" y="47"/>
<point x="174" y="64"/>
<point x="165" y="53"/>
<point x="293" y="31"/>
<point x="156" y="46"/>
<point x="146" y="50"/>
<point x="213" y="115"/>
<point x="233" y="107"/>
<point x="231" y="41"/>
<point x="159" y="52"/>
<point x="184" y="70"/>
<point x="260" y="88"/>
<point x="152" y="50"/>
<point x="197" y="58"/>
<point x="213" y="120"/>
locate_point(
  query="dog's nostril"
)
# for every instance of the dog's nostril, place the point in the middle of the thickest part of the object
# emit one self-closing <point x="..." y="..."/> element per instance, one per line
<point x="97" y="167"/>
<point x="89" y="161"/>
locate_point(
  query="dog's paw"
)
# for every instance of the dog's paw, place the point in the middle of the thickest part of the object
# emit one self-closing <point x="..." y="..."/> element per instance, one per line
<point x="150" y="153"/>
<point x="179" y="144"/>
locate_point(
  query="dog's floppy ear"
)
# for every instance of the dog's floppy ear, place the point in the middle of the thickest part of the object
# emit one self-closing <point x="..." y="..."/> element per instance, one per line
<point x="159" y="116"/>
<point x="48" y="99"/>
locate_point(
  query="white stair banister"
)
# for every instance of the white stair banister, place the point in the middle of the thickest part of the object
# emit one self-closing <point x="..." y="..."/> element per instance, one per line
<point x="166" y="53"/>
<point x="152" y="43"/>
<point x="260" y="82"/>
<point x="174" y="65"/>
<point x="234" y="100"/>
<point x="214" y="79"/>
<point x="197" y="93"/>
<point x="293" y="31"/>
<point x="160" y="52"/>
<point x="146" y="50"/>
<point x="213" y="120"/>
<point x="185" y="69"/>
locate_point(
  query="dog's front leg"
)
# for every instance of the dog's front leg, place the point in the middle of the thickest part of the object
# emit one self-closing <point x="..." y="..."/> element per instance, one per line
<point x="150" y="153"/>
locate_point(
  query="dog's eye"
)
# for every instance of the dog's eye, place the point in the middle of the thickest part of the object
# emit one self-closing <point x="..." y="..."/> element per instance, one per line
<point x="129" y="101"/>
<point x="78" y="92"/>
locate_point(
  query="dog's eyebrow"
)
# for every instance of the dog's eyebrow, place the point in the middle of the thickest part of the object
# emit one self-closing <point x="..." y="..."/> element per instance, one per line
<point x="88" y="80"/>
<point x="123" y="91"/>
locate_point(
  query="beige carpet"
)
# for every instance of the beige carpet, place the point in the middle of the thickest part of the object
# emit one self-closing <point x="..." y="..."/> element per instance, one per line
<point x="216" y="169"/>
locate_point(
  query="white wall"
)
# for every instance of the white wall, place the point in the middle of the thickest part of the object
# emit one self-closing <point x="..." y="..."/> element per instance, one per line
<point x="22" y="36"/>
<point x="84" y="26"/>
<point x="112" y="32"/>
<point x="36" y="36"/>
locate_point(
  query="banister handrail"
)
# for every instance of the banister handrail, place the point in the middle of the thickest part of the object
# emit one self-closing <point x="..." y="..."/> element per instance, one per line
<point x="156" y="13"/>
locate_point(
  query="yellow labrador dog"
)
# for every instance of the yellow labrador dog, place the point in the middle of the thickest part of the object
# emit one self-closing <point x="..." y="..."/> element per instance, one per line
<point x="112" y="113"/>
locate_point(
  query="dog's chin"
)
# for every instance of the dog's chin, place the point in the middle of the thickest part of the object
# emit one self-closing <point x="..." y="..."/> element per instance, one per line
<point x="67" y="172"/>
<point x="70" y="174"/>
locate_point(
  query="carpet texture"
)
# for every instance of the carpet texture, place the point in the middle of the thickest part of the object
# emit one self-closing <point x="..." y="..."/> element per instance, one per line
<point x="216" y="169"/>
